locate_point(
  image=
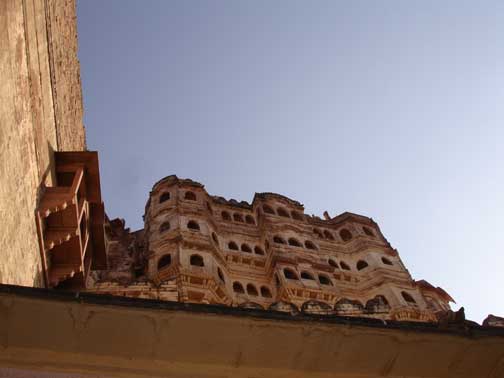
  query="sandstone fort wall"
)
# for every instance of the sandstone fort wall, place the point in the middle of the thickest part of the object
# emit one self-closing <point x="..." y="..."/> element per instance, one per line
<point x="40" y="112"/>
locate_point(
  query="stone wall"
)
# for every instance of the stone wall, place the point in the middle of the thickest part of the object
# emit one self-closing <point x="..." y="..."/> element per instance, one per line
<point x="97" y="336"/>
<point x="40" y="112"/>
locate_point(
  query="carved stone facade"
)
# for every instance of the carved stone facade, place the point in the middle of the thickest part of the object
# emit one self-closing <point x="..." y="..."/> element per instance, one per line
<point x="268" y="255"/>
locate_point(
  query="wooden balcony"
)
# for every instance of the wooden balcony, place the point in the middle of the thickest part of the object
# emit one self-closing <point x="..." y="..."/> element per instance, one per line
<point x="70" y="219"/>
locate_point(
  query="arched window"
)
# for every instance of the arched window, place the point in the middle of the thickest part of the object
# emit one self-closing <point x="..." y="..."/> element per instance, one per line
<point x="294" y="242"/>
<point x="333" y="263"/>
<point x="249" y="219"/>
<point x="306" y="276"/>
<point x="265" y="292"/>
<point x="290" y="274"/>
<point x="238" y="288"/>
<point x="297" y="216"/>
<point x="221" y="276"/>
<point x="164" y="197"/>
<point x="258" y="251"/>
<point x="164" y="262"/>
<point x="344" y="265"/>
<point x="345" y="235"/>
<point x="310" y="245"/>
<point x="361" y="264"/>
<point x="193" y="225"/>
<point x="368" y="231"/>
<point x="225" y="215"/>
<point x="386" y="261"/>
<point x="165" y="226"/>
<point x="277" y="239"/>
<point x="268" y="209"/>
<point x="251" y="290"/>
<point x="407" y="297"/>
<point x="246" y="248"/>
<point x="328" y="235"/>
<point x="238" y="217"/>
<point x="282" y="212"/>
<point x="197" y="260"/>
<point x="324" y="280"/>
<point x="317" y="232"/>
<point x="232" y="245"/>
<point x="378" y="304"/>
<point x="190" y="196"/>
<point x="215" y="239"/>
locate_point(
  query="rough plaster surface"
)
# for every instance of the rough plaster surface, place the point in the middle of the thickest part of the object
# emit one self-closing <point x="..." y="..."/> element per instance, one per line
<point x="40" y="112"/>
<point x="130" y="341"/>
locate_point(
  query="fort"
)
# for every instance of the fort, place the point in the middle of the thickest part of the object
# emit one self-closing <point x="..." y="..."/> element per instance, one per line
<point x="209" y="287"/>
<point x="266" y="254"/>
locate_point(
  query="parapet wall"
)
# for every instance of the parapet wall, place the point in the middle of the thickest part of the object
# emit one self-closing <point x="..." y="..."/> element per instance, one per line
<point x="40" y="113"/>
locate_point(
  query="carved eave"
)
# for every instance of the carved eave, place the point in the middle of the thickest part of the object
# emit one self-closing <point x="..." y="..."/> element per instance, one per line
<point x="347" y="216"/>
<point x="174" y="180"/>
<point x="426" y="286"/>
<point x="70" y="221"/>
<point x="286" y="200"/>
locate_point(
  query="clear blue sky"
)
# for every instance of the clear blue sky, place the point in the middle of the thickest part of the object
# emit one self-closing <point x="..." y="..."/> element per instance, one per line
<point x="390" y="109"/>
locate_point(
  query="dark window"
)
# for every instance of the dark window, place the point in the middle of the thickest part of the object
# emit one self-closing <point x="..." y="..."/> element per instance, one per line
<point x="297" y="216"/>
<point x="251" y="290"/>
<point x="225" y="215"/>
<point x="309" y="244"/>
<point x="290" y="274"/>
<point x="221" y="276"/>
<point x="246" y="248"/>
<point x="344" y="265"/>
<point x="258" y="251"/>
<point x="333" y="263"/>
<point x="328" y="235"/>
<point x="386" y="261"/>
<point x="282" y="212"/>
<point x="307" y="276"/>
<point x="197" y="260"/>
<point x="190" y="196"/>
<point x="238" y="217"/>
<point x="164" y="197"/>
<point x="278" y="239"/>
<point x="238" y="288"/>
<point x="232" y="245"/>
<point x="215" y="239"/>
<point x="345" y="235"/>
<point x="164" y="227"/>
<point x="193" y="225"/>
<point x="368" y="231"/>
<point x="164" y="262"/>
<point x="324" y="280"/>
<point x="249" y="219"/>
<point x="407" y="297"/>
<point x="268" y="210"/>
<point x="265" y="292"/>
<point x="294" y="242"/>
<point x="317" y="232"/>
<point x="361" y="264"/>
